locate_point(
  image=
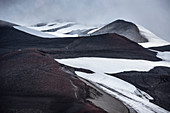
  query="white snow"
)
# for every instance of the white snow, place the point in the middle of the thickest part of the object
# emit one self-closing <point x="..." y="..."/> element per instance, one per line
<point x="164" y="55"/>
<point x="34" y="32"/>
<point x="118" y="88"/>
<point x="58" y="34"/>
<point x="94" y="30"/>
<point x="112" y="65"/>
<point x="153" y="40"/>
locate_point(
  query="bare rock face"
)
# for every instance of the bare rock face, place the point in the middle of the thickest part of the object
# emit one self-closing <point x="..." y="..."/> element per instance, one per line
<point x="32" y="82"/>
<point x="124" y="28"/>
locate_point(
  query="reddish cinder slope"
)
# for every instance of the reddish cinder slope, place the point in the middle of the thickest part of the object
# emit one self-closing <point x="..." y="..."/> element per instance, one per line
<point x="31" y="81"/>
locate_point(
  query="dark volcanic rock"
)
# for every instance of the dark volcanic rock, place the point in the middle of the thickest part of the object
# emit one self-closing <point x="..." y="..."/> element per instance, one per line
<point x="32" y="82"/>
<point x="124" y="28"/>
<point x="161" y="48"/>
<point x="156" y="82"/>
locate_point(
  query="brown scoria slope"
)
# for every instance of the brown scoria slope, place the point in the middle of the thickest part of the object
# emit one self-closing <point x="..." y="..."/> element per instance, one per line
<point x="32" y="82"/>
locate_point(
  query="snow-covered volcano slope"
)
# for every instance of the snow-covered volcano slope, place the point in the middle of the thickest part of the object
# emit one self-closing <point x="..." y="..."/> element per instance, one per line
<point x="118" y="88"/>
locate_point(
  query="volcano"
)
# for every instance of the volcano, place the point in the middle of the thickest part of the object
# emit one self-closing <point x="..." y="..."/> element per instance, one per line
<point x="66" y="67"/>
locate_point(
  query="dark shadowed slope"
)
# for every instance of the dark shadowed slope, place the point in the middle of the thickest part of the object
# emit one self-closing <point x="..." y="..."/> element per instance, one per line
<point x="124" y="28"/>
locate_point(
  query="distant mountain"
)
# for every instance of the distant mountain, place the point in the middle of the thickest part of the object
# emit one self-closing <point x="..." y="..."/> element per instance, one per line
<point x="66" y="67"/>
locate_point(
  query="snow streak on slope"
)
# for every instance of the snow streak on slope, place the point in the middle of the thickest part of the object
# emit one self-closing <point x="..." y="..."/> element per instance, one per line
<point x="58" y="34"/>
<point x="34" y="32"/>
<point x="94" y="30"/>
<point x="111" y="65"/>
<point x="153" y="40"/>
<point x="120" y="89"/>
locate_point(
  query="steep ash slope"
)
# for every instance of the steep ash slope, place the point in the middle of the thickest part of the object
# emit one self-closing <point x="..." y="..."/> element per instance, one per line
<point x="32" y="82"/>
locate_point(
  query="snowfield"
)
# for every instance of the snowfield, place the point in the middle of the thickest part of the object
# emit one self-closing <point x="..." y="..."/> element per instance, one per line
<point x="111" y="65"/>
<point x="118" y="88"/>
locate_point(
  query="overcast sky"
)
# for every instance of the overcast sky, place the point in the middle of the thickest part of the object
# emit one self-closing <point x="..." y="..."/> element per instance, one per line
<point x="152" y="14"/>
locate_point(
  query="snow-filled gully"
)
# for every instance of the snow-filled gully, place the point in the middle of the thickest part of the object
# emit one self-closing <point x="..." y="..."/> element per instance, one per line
<point x="122" y="90"/>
